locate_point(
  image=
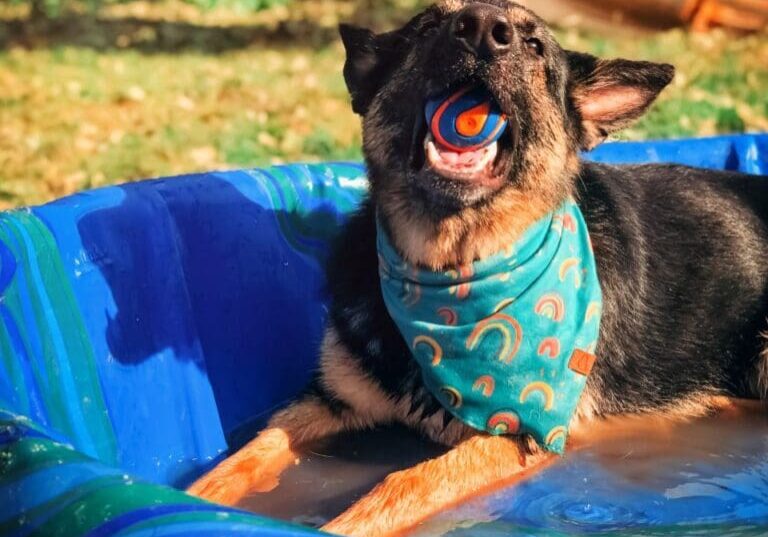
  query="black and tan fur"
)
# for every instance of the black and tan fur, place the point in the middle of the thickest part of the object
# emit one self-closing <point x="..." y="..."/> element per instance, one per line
<point x="681" y="256"/>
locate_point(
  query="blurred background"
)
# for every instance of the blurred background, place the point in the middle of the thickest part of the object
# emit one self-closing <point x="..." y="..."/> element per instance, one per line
<point x="96" y="92"/>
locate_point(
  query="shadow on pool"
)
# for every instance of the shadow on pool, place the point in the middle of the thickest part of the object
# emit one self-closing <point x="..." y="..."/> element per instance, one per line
<point x="213" y="263"/>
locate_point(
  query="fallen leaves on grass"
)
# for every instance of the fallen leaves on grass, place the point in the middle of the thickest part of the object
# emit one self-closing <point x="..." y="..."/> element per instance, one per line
<point x="74" y="118"/>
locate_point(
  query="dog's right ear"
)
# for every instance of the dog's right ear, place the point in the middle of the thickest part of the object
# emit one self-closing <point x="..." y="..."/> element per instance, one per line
<point x="611" y="94"/>
<point x="363" y="68"/>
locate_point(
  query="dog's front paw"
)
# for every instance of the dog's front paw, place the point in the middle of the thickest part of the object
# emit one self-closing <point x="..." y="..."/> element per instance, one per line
<point x="228" y="485"/>
<point x="222" y="489"/>
<point x="255" y="468"/>
<point x="389" y="509"/>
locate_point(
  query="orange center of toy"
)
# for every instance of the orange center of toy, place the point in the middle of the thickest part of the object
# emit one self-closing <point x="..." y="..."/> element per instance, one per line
<point x="471" y="122"/>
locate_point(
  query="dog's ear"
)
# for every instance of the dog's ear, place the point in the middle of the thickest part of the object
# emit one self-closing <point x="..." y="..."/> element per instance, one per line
<point x="364" y="69"/>
<point x="611" y="94"/>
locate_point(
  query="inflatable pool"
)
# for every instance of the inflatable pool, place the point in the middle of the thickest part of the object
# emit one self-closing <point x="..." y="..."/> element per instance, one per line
<point x="147" y="328"/>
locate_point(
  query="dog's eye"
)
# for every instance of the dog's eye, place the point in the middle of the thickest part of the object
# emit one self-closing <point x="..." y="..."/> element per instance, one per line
<point x="534" y="45"/>
<point x="427" y="27"/>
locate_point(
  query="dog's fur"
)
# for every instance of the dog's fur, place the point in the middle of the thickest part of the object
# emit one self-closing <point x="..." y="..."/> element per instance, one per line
<point x="681" y="255"/>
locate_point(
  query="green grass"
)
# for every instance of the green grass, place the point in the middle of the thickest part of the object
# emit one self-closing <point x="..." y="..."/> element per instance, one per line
<point x="74" y="118"/>
<point x="77" y="119"/>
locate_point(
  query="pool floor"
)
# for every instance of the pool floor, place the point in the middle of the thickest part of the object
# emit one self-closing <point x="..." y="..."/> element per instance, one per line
<point x="705" y="478"/>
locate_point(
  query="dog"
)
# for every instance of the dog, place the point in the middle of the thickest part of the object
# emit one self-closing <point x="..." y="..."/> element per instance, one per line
<point x="680" y="253"/>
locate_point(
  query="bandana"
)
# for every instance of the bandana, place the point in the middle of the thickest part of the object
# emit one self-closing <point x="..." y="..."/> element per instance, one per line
<point x="506" y="343"/>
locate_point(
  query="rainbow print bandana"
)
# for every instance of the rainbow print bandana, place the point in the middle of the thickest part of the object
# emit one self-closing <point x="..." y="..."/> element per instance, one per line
<point x="505" y="344"/>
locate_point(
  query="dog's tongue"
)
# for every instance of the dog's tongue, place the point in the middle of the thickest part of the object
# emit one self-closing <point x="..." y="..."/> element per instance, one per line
<point x="455" y="158"/>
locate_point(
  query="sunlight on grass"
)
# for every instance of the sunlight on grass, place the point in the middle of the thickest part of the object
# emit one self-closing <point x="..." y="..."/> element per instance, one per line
<point x="74" y="118"/>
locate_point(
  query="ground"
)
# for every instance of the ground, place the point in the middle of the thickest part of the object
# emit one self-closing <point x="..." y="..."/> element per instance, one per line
<point x="167" y="88"/>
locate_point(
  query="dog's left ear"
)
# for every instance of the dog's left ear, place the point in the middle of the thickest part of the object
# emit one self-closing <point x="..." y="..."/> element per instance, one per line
<point x="368" y="59"/>
<point x="611" y="94"/>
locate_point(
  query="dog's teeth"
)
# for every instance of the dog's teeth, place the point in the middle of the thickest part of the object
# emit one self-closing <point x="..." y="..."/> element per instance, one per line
<point x="450" y="157"/>
<point x="432" y="155"/>
<point x="465" y="164"/>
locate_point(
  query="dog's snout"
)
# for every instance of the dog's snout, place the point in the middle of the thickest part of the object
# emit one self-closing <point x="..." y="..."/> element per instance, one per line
<point x="482" y="29"/>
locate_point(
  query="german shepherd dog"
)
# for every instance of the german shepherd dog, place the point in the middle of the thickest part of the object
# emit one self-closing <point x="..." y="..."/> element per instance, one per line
<point x="681" y="255"/>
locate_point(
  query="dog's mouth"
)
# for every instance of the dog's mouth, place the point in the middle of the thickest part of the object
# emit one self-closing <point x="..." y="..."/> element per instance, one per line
<point x="477" y="167"/>
<point x="468" y="174"/>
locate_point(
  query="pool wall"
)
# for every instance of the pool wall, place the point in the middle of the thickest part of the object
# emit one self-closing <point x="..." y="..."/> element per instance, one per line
<point x="147" y="328"/>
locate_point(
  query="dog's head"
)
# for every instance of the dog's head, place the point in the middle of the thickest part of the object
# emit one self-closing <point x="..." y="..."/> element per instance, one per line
<point x="557" y="103"/>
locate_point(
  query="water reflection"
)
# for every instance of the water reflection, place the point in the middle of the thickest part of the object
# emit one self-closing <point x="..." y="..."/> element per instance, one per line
<point x="338" y="472"/>
<point x="707" y="478"/>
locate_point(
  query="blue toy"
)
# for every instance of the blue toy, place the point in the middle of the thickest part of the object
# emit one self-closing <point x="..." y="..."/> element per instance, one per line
<point x="466" y="120"/>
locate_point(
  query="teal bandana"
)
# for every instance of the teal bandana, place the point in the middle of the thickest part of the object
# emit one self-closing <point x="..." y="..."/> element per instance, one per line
<point x="505" y="344"/>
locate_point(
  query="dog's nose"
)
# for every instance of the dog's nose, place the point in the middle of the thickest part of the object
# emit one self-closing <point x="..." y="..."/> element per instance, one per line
<point x="483" y="29"/>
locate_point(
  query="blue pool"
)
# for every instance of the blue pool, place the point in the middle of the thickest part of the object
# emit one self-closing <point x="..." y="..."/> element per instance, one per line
<point x="146" y="329"/>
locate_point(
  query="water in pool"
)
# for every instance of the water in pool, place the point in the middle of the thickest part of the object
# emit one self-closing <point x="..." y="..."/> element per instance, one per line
<point x="706" y="478"/>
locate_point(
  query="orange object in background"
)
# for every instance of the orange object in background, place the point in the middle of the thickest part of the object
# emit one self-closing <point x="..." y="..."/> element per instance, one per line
<point x="699" y="15"/>
<point x="746" y="15"/>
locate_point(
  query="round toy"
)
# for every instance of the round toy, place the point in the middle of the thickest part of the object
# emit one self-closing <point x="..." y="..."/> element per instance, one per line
<point x="466" y="120"/>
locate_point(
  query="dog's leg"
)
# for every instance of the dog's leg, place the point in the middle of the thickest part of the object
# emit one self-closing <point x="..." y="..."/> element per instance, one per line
<point x="342" y="398"/>
<point x="258" y="465"/>
<point x="483" y="463"/>
<point x="410" y="496"/>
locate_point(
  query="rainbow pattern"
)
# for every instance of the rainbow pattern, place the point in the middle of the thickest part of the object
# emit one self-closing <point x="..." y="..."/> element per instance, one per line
<point x="506" y="326"/>
<point x="453" y="395"/>
<point x="571" y="265"/>
<point x="593" y="311"/>
<point x="564" y="222"/>
<point x="503" y="304"/>
<point x="569" y="224"/>
<point x="485" y="385"/>
<point x="551" y="306"/>
<point x="555" y="434"/>
<point x="539" y="387"/>
<point x="504" y="422"/>
<point x="549" y="347"/>
<point x="449" y="315"/>
<point x="437" y="351"/>
<point x="464" y="273"/>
